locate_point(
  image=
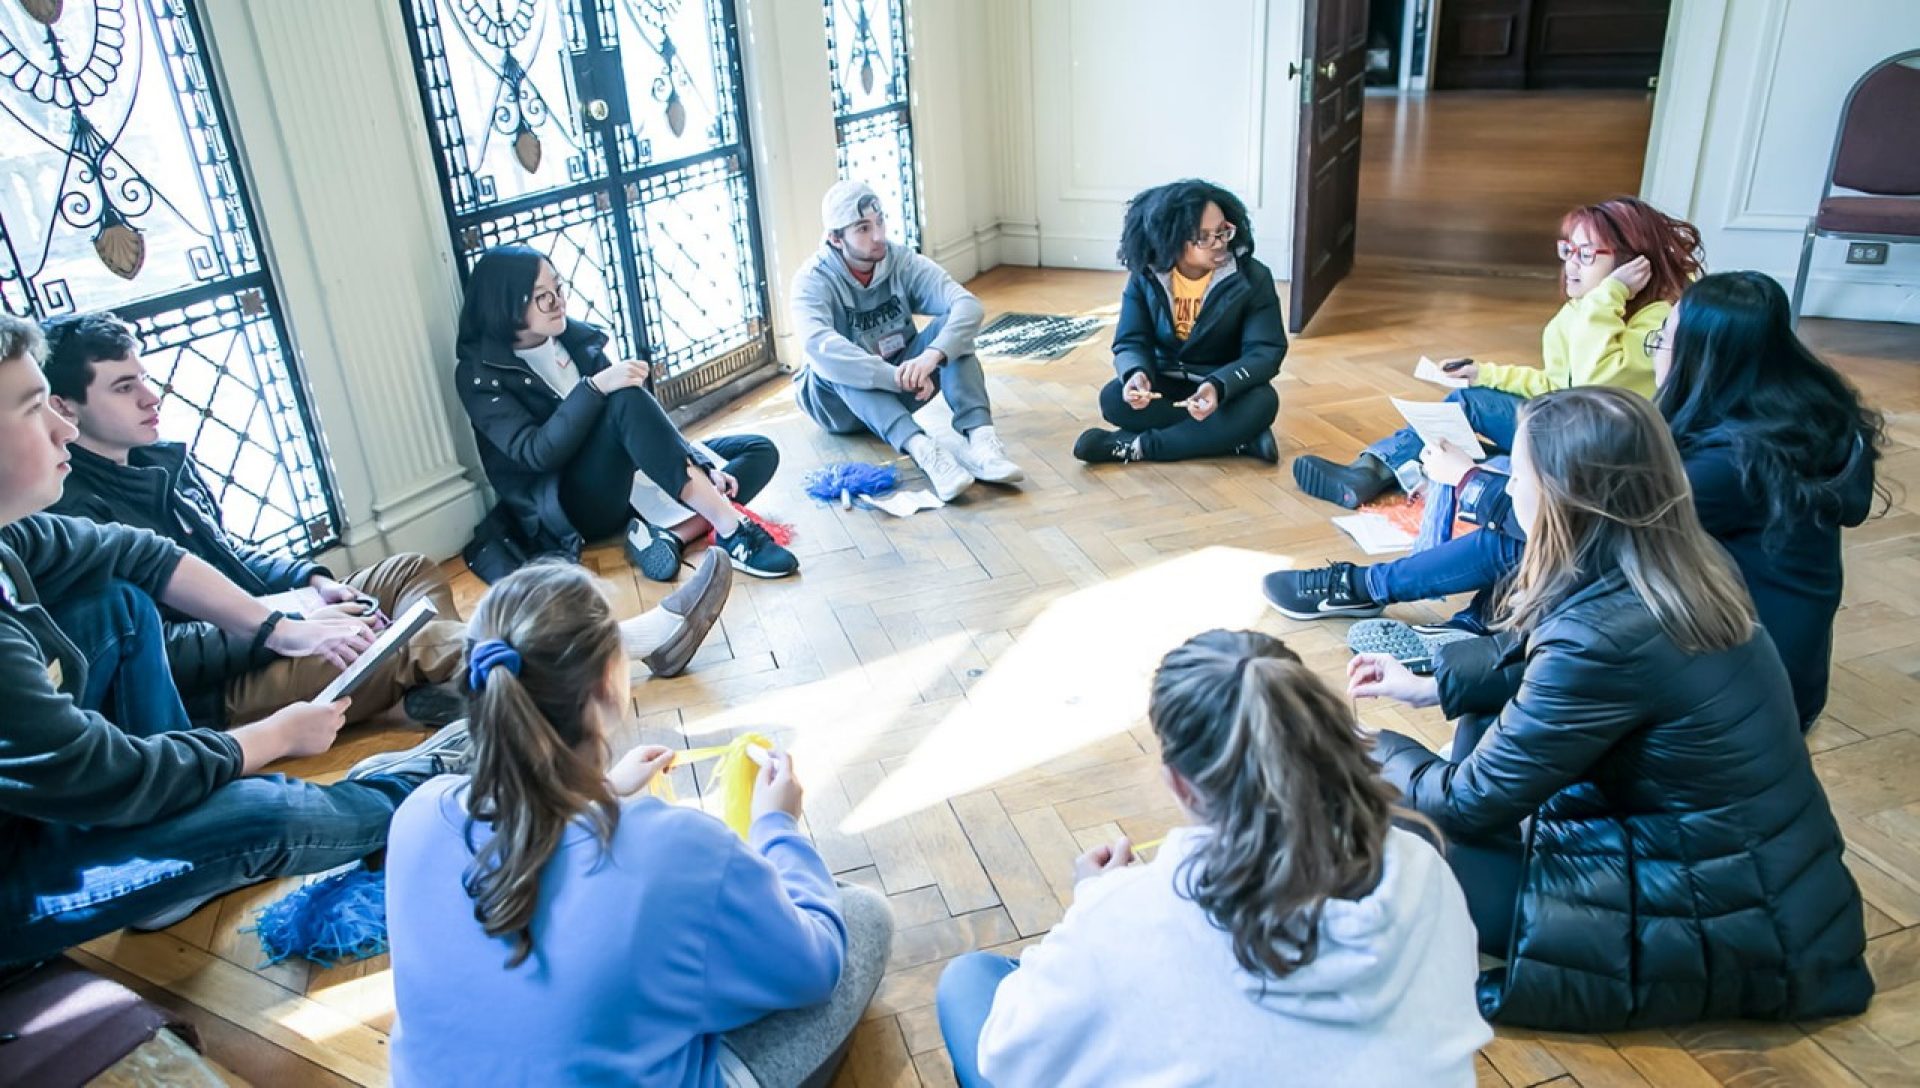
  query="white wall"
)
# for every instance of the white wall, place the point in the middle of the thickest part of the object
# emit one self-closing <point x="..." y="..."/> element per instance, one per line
<point x="1116" y="108"/>
<point x="1749" y="102"/>
<point x="332" y="140"/>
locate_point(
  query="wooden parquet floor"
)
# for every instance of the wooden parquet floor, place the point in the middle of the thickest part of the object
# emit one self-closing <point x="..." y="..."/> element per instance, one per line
<point x="964" y="692"/>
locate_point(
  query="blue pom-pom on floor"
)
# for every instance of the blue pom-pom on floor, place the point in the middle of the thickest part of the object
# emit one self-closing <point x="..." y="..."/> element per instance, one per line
<point x="334" y="919"/>
<point x="844" y="481"/>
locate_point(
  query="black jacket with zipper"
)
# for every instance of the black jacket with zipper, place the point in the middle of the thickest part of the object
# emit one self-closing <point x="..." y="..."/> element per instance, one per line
<point x="160" y="489"/>
<point x="1681" y="859"/>
<point x="527" y="434"/>
<point x="1237" y="340"/>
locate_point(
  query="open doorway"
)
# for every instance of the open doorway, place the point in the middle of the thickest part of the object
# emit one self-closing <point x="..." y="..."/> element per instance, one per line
<point x="1535" y="106"/>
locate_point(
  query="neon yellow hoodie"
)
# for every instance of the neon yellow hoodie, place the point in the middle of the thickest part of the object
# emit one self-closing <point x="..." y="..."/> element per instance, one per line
<point x="1589" y="342"/>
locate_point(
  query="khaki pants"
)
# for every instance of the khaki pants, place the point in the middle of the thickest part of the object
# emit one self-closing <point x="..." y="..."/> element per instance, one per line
<point x="433" y="655"/>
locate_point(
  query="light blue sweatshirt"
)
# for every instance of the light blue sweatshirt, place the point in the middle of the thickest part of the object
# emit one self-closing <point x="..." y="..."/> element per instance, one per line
<point x="643" y="954"/>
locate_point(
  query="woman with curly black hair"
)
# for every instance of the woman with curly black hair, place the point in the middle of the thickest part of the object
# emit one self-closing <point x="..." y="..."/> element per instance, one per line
<point x="1199" y="340"/>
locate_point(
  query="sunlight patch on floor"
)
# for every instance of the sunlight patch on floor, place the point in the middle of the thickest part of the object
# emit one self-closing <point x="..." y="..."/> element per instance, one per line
<point x="1079" y="672"/>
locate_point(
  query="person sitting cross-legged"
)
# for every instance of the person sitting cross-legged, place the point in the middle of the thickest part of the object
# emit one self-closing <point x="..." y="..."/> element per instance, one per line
<point x="1200" y="338"/>
<point x="135" y="817"/>
<point x="868" y="367"/>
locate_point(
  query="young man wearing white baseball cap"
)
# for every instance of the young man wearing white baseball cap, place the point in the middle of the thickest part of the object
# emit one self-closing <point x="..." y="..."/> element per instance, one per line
<point x="868" y="364"/>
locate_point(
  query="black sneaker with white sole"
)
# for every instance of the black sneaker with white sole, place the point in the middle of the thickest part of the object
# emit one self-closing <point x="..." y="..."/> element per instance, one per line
<point x="1336" y="590"/>
<point x="1415" y="646"/>
<point x="655" y="551"/>
<point x="752" y="551"/>
<point x="1098" y="446"/>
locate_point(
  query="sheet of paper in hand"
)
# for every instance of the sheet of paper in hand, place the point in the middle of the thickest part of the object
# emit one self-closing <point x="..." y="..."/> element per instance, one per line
<point x="1429" y="371"/>
<point x="1434" y="421"/>
<point x="391" y="641"/>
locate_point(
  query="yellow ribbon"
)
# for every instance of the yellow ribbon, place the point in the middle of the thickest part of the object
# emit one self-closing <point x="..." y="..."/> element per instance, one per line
<point x="732" y="779"/>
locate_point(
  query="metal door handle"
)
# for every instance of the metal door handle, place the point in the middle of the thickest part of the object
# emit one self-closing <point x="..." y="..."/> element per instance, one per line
<point x="1327" y="70"/>
<point x="1293" y="70"/>
<point x="597" y="109"/>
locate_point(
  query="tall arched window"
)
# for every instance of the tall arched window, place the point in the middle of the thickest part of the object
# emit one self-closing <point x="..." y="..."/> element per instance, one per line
<point x="872" y="109"/>
<point x="119" y="191"/>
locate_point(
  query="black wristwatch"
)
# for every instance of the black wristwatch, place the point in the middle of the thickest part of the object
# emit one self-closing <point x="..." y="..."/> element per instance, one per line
<point x="265" y="630"/>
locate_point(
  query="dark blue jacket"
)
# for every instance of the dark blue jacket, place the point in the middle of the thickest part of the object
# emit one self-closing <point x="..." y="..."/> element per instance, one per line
<point x="1236" y="342"/>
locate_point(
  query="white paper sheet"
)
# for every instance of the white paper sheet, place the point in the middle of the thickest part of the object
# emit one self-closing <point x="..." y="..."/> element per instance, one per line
<point x="1437" y="420"/>
<point x="1429" y="371"/>
<point x="1375" y="534"/>
<point x="904" y="504"/>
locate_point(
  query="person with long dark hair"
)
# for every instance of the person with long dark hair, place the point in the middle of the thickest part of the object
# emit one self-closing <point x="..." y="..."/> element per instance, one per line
<point x="574" y="443"/>
<point x="1779" y="452"/>
<point x="1200" y="338"/>
<point x="1629" y="805"/>
<point x="553" y="922"/>
<point x="1623" y="264"/>
<point x="1290" y="926"/>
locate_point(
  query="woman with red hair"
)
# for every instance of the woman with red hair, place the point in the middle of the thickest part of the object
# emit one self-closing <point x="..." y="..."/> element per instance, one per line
<point x="1623" y="266"/>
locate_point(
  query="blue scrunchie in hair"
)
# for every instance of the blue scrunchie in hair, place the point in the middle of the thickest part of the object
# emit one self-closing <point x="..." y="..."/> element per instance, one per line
<point x="484" y="656"/>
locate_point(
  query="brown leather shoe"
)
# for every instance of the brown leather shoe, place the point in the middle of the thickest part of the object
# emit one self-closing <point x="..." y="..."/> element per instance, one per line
<point x="698" y="602"/>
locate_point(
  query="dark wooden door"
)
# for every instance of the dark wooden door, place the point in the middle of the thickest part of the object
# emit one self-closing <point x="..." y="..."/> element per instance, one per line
<point x="1333" y="81"/>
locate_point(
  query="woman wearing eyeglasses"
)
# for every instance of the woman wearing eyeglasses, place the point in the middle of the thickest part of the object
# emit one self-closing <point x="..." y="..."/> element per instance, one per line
<point x="1623" y="265"/>
<point x="1199" y="340"/>
<point x="575" y="445"/>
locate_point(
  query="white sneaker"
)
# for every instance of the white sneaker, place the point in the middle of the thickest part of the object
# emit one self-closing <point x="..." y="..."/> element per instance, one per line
<point x="986" y="458"/>
<point x="946" y="475"/>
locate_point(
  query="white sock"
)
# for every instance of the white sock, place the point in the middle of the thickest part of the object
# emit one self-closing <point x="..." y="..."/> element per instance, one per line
<point x="917" y="445"/>
<point x="980" y="432"/>
<point x="648" y="631"/>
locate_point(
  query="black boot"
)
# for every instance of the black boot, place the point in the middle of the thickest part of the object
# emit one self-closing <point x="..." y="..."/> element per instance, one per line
<point x="1263" y="448"/>
<point x="1349" y="485"/>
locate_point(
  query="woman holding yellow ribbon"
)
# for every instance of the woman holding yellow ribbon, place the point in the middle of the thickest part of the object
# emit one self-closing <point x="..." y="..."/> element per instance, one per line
<point x="553" y="921"/>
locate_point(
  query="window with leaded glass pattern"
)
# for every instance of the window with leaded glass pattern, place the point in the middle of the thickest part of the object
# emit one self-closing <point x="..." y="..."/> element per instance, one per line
<point x="872" y="112"/>
<point x="119" y="191"/>
<point x="610" y="135"/>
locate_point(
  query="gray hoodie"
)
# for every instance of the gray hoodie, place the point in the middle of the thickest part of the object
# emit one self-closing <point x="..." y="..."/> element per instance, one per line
<point x="854" y="335"/>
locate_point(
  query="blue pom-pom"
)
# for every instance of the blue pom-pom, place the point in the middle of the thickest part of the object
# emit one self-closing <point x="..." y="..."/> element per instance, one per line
<point x="845" y="480"/>
<point x="341" y="917"/>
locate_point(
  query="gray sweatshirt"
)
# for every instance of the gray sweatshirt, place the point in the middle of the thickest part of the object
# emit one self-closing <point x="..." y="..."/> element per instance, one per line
<point x="59" y="763"/>
<point x="855" y="335"/>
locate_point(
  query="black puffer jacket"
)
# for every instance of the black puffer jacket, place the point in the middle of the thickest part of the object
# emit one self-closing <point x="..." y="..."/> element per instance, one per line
<point x="1236" y="342"/>
<point x="161" y="489"/>
<point x="1682" y="862"/>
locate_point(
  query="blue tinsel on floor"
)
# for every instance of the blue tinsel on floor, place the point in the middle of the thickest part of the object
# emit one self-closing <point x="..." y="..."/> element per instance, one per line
<point x="334" y="919"/>
<point x="844" y="481"/>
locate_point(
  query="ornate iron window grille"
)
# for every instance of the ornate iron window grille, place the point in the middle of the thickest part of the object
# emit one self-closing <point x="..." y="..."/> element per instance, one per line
<point x="872" y="106"/>
<point x="649" y="210"/>
<point x="119" y="191"/>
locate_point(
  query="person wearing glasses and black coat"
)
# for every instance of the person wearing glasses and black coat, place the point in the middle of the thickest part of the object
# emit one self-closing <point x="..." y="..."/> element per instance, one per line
<point x="577" y="448"/>
<point x="1199" y="340"/>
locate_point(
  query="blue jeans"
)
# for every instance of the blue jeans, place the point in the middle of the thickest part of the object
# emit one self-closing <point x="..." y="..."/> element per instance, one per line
<point x="65" y="884"/>
<point x="847" y="409"/>
<point x="1494" y="414"/>
<point x="964" y="999"/>
<point x="128" y="680"/>
<point x="1476" y="561"/>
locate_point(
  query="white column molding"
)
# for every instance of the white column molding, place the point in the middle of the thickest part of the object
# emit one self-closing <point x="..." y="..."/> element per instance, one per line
<point x="1009" y="87"/>
<point x="332" y="137"/>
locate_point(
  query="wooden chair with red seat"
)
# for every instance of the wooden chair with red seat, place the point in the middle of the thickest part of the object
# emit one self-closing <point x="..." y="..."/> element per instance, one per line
<point x="1876" y="153"/>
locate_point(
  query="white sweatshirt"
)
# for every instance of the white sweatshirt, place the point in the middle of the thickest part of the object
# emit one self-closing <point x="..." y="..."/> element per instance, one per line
<point x="1135" y="986"/>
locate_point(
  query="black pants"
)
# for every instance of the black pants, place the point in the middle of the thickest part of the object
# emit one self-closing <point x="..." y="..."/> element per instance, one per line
<point x="1490" y="868"/>
<point x="1170" y="434"/>
<point x="635" y="435"/>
